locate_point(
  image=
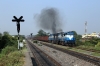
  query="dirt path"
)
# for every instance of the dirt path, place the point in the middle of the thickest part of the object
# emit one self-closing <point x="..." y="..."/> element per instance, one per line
<point x="28" y="56"/>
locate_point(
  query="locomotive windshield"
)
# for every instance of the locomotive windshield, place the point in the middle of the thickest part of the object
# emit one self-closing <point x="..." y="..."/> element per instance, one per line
<point x="69" y="33"/>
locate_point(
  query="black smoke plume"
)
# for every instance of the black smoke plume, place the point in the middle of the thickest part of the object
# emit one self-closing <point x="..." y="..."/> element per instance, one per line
<point x="49" y="19"/>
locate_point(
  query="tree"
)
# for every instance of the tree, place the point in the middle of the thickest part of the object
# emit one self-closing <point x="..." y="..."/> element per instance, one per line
<point x="0" y="36"/>
<point x="7" y="40"/>
<point x="77" y="38"/>
<point x="42" y="33"/>
<point x="75" y="33"/>
<point x="5" y="33"/>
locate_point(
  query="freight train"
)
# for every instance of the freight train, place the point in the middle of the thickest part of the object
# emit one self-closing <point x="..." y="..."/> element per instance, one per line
<point x="64" y="38"/>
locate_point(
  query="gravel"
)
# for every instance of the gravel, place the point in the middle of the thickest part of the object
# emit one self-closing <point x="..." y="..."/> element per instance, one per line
<point x="63" y="58"/>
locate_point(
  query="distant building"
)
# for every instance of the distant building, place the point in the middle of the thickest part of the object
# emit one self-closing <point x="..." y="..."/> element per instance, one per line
<point x="94" y="34"/>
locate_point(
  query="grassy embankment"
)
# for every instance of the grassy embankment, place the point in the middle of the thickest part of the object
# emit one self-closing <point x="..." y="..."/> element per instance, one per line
<point x="92" y="44"/>
<point x="9" y="54"/>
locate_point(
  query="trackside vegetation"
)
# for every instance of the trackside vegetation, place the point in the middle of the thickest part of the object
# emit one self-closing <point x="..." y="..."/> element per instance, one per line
<point x="9" y="54"/>
<point x="92" y="43"/>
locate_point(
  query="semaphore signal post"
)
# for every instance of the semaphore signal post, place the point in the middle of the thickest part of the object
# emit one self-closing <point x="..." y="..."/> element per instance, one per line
<point x="18" y="25"/>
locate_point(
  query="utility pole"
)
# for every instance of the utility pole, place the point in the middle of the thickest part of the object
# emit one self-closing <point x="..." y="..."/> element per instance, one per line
<point x="18" y="25"/>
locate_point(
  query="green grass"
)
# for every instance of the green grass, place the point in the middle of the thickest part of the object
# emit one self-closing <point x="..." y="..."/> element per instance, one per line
<point x="96" y="54"/>
<point x="92" y="44"/>
<point x="10" y="56"/>
<point x="89" y="47"/>
<point x="97" y="48"/>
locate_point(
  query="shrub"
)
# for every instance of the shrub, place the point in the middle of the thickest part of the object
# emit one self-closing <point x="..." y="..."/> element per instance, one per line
<point x="88" y="43"/>
<point x="79" y="43"/>
<point x="8" y="49"/>
<point x="24" y="42"/>
<point x="35" y="41"/>
<point x="98" y="45"/>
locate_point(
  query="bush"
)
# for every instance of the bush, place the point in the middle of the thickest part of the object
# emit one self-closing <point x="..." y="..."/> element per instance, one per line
<point x="88" y="43"/>
<point x="24" y="42"/>
<point x="79" y="43"/>
<point x="95" y="40"/>
<point x="35" y="41"/>
<point x="7" y="40"/>
<point x="98" y="45"/>
<point x="97" y="48"/>
<point x="8" y="49"/>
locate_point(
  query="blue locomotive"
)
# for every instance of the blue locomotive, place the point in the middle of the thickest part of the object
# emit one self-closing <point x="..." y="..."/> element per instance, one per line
<point x="64" y="38"/>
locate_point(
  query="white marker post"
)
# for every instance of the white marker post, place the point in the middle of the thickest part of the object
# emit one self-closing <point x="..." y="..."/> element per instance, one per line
<point x="18" y="41"/>
<point x="18" y="44"/>
<point x="21" y="45"/>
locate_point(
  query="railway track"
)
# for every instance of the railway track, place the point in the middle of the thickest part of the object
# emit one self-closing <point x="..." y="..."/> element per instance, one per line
<point x="91" y="50"/>
<point x="85" y="57"/>
<point x="41" y="58"/>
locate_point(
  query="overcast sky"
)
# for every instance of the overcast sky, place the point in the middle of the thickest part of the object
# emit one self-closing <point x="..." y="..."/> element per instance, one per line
<point x="74" y="13"/>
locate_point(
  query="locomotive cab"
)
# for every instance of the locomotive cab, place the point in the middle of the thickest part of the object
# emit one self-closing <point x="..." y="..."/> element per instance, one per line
<point x="69" y="38"/>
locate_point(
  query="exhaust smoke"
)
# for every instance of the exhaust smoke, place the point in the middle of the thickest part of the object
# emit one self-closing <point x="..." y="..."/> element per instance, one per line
<point x="49" y="19"/>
